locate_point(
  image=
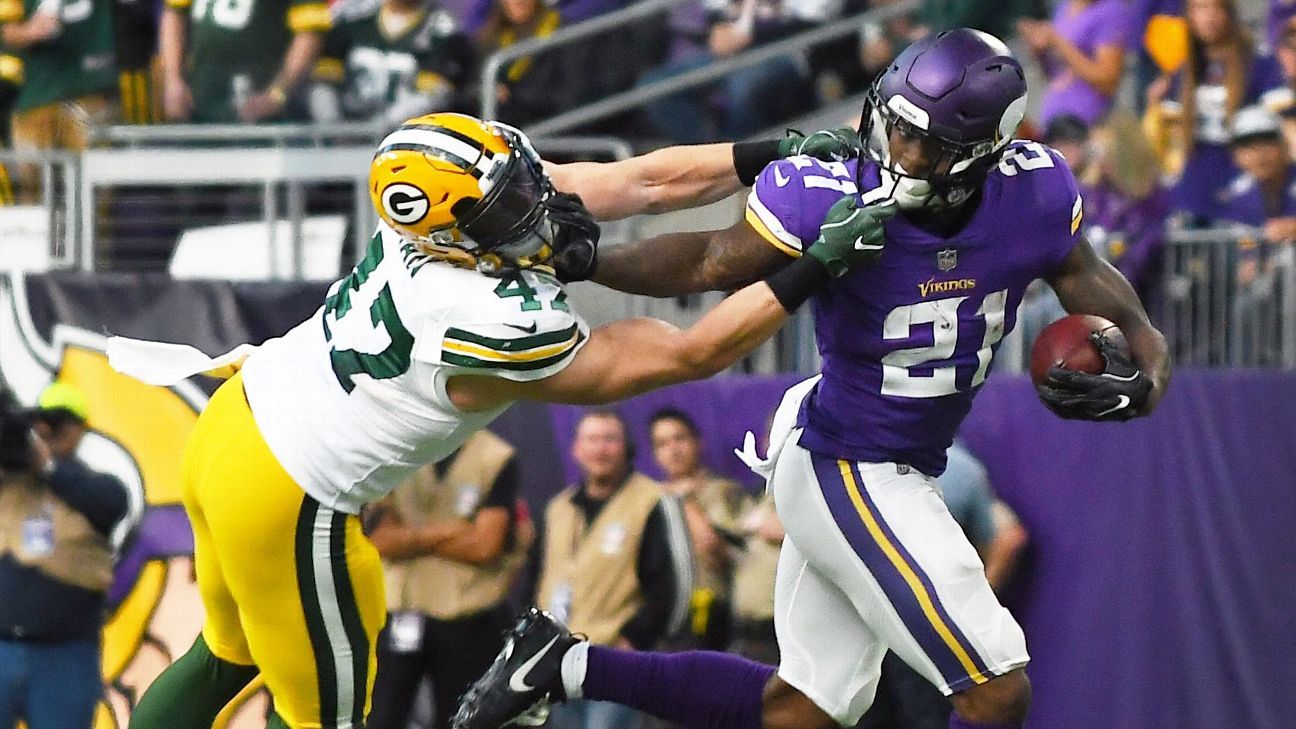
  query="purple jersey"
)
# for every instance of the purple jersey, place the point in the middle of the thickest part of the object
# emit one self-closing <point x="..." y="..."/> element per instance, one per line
<point x="907" y="342"/>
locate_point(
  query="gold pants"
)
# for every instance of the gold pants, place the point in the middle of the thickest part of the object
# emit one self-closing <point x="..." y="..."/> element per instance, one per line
<point x="289" y="585"/>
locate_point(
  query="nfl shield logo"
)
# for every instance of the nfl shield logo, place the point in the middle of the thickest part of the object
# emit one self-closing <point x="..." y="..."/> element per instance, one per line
<point x="947" y="259"/>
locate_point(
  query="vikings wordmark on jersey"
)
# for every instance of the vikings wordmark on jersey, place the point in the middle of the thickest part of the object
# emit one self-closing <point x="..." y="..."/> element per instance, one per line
<point x="907" y="342"/>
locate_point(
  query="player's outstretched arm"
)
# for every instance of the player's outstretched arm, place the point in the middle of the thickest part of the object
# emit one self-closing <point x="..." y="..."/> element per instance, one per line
<point x="677" y="264"/>
<point x="625" y="358"/>
<point x="666" y="179"/>
<point x="687" y="176"/>
<point x="1086" y="284"/>
<point x="628" y="357"/>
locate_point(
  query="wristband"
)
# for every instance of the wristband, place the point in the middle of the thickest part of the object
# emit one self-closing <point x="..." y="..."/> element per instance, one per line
<point x="749" y="158"/>
<point x="798" y="281"/>
<point x="277" y="95"/>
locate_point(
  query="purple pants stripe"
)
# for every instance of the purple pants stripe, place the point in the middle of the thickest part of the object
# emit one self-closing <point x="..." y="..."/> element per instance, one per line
<point x="906" y="585"/>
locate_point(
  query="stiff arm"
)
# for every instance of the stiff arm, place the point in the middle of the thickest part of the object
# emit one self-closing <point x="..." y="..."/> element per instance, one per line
<point x="673" y="178"/>
<point x="629" y="357"/>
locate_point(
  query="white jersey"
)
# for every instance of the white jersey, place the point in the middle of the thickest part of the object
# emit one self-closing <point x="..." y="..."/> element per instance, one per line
<point x="353" y="400"/>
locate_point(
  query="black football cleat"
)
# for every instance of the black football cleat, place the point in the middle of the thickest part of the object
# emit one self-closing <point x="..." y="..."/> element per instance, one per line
<point x="524" y="679"/>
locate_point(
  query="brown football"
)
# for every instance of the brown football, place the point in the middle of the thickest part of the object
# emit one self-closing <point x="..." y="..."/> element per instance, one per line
<point x="1066" y="343"/>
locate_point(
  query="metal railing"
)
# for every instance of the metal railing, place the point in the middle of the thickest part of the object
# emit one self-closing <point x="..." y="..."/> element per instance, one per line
<point x="561" y="37"/>
<point x="287" y="172"/>
<point x="47" y="183"/>
<point x="655" y="90"/>
<point x="1215" y="312"/>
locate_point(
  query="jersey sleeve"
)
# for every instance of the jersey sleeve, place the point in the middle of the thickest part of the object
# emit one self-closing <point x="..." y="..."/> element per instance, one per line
<point x="309" y="16"/>
<point x="11" y="11"/>
<point x="791" y="197"/>
<point x="1060" y="208"/>
<point x="518" y="336"/>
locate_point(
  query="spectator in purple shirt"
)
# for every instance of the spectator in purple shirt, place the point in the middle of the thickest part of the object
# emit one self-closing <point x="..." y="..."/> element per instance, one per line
<point x="1190" y="113"/>
<point x="1083" y="51"/>
<point x="1124" y="201"/>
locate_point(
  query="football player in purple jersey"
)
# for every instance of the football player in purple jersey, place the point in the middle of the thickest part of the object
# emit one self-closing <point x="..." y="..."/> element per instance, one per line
<point x="872" y="560"/>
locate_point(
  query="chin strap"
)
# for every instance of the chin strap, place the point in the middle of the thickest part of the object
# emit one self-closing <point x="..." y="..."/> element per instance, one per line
<point x="491" y="264"/>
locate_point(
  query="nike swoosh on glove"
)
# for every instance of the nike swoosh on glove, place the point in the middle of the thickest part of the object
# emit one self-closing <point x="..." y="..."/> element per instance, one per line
<point x="576" y="237"/>
<point x="1117" y="394"/>
<point x="851" y="235"/>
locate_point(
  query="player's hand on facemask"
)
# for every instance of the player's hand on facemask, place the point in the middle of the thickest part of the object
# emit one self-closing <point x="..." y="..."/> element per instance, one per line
<point x="576" y="237"/>
<point x="829" y="145"/>
<point x="1117" y="394"/>
<point x="851" y="234"/>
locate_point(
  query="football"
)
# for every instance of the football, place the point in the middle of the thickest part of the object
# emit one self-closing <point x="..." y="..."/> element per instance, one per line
<point x="1066" y="343"/>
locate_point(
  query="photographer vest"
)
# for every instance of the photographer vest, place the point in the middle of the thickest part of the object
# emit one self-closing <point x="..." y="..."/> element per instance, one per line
<point x="443" y="588"/>
<point x="590" y="578"/>
<point x="38" y="530"/>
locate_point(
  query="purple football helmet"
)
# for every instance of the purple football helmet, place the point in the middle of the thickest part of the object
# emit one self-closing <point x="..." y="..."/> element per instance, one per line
<point x="962" y="94"/>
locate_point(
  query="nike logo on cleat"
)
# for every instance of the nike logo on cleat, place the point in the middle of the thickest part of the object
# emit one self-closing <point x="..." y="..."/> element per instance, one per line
<point x="529" y="330"/>
<point x="517" y="681"/>
<point x="780" y="179"/>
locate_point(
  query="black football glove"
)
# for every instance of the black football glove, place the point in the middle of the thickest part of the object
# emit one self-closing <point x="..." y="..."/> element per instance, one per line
<point x="576" y="237"/>
<point x="1117" y="394"/>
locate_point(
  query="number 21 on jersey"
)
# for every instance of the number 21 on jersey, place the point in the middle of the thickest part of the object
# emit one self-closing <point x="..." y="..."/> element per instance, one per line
<point x="942" y="314"/>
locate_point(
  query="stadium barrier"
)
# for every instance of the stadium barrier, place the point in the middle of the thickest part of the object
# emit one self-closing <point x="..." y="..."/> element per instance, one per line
<point x="1214" y="317"/>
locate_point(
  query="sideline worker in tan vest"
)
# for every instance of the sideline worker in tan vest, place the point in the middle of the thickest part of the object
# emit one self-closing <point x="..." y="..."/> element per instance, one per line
<point x="450" y="551"/>
<point x="616" y="560"/>
<point x="57" y="523"/>
<point x="712" y="506"/>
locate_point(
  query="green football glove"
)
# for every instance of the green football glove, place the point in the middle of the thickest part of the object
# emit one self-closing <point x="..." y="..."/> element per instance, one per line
<point x="829" y="145"/>
<point x="851" y="235"/>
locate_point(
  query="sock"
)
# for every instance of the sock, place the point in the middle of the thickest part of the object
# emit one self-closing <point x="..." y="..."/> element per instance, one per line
<point x="695" y="689"/>
<point x="191" y="692"/>
<point x="574" y="665"/>
<point x="958" y="723"/>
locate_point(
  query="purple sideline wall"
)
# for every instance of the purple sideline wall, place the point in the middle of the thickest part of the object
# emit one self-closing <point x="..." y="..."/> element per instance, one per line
<point x="1160" y="588"/>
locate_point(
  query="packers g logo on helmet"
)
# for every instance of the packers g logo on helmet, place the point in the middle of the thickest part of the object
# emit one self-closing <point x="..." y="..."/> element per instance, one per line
<point x="464" y="189"/>
<point x="404" y="203"/>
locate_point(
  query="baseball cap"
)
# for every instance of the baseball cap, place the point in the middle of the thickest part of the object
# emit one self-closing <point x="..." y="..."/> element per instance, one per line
<point x="1254" y="122"/>
<point x="60" y="396"/>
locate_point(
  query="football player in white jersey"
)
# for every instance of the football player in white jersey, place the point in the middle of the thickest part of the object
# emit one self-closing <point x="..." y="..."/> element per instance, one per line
<point x="452" y="315"/>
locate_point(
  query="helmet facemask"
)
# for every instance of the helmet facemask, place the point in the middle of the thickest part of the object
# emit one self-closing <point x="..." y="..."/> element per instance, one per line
<point x="957" y="168"/>
<point x="508" y="227"/>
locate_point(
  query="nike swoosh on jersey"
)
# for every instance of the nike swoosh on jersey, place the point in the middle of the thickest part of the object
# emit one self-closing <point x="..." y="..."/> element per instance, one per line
<point x="517" y="681"/>
<point x="780" y="179"/>
<point x="529" y="330"/>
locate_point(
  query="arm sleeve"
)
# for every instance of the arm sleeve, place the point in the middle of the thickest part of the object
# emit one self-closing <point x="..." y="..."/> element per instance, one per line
<point x="520" y="336"/>
<point x="100" y="497"/>
<point x="1115" y="28"/>
<point x="11" y="11"/>
<point x="659" y="581"/>
<point x="309" y="16"/>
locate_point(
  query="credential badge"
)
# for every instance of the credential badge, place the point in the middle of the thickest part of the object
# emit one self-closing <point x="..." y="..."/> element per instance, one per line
<point x="946" y="260"/>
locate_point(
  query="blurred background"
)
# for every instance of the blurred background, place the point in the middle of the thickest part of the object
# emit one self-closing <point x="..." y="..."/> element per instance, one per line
<point x="194" y="171"/>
